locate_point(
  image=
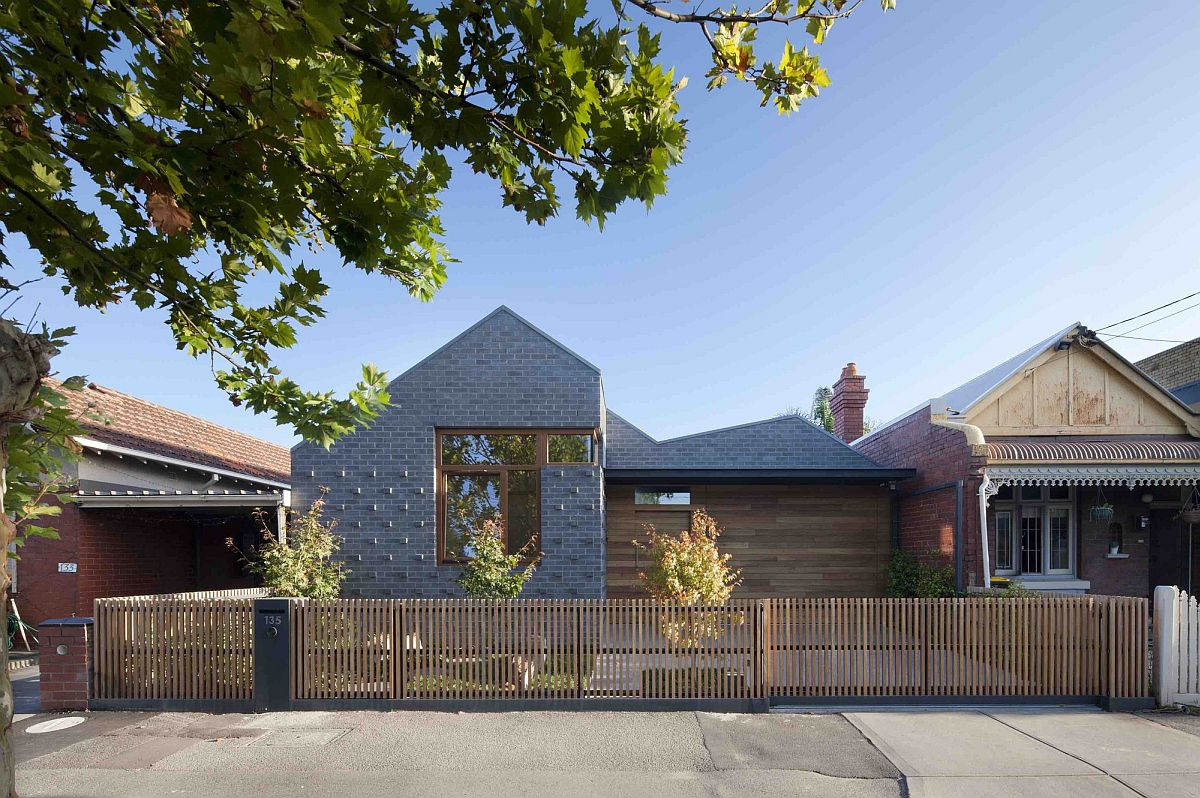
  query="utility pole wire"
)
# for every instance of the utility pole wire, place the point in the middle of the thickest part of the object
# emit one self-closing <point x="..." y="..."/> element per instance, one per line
<point x="1148" y="312"/>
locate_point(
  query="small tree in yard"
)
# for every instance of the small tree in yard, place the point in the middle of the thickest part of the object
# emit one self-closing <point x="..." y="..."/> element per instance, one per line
<point x="492" y="573"/>
<point x="689" y="569"/>
<point x="302" y="564"/>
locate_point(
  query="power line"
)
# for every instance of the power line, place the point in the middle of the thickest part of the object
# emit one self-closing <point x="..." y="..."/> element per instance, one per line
<point x="1148" y="312"/>
<point x="1139" y="338"/>
<point x="1160" y="318"/>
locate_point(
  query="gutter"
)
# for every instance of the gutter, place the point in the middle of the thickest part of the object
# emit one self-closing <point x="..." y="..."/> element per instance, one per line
<point x="976" y="441"/>
<point x="101" y="446"/>
<point x="746" y="476"/>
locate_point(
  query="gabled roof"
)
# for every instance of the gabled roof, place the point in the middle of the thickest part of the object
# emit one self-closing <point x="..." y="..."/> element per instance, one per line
<point x="503" y="310"/>
<point x="784" y="443"/>
<point x="958" y="402"/>
<point x="127" y="421"/>
<point x="970" y="393"/>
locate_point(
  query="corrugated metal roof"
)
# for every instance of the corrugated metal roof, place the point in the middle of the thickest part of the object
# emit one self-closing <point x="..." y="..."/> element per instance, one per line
<point x="1105" y="451"/>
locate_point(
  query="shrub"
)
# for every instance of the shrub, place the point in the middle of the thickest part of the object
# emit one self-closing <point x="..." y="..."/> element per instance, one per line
<point x="493" y="573"/>
<point x="302" y="565"/>
<point x="910" y="577"/>
<point x="688" y="568"/>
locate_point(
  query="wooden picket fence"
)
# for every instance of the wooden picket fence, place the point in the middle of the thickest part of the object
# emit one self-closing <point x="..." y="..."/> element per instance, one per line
<point x="1177" y="648"/>
<point x="168" y="648"/>
<point x="463" y="650"/>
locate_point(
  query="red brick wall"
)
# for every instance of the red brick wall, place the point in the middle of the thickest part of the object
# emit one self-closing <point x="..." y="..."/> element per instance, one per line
<point x="123" y="552"/>
<point x="1128" y="576"/>
<point x="128" y="552"/>
<point x="63" y="682"/>
<point x="939" y="455"/>
<point x="42" y="592"/>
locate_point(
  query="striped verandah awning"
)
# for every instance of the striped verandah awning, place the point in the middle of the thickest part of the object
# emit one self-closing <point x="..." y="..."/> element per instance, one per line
<point x="1129" y="461"/>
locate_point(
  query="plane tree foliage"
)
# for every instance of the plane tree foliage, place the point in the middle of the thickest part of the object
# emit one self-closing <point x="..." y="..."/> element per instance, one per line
<point x="166" y="152"/>
<point x="178" y="154"/>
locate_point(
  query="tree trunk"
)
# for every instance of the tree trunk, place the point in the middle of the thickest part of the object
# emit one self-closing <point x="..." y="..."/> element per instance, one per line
<point x="24" y="361"/>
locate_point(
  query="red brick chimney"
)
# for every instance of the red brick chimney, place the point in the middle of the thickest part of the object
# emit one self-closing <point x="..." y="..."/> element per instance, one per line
<point x="848" y="403"/>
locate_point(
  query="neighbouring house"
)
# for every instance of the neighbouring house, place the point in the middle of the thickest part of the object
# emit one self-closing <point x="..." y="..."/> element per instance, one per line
<point x="157" y="495"/>
<point x="504" y="421"/>
<point x="1020" y="455"/>
<point x="1178" y="370"/>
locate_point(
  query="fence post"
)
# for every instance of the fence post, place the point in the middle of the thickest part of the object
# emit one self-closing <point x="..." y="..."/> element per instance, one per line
<point x="1166" y="644"/>
<point x="762" y="640"/>
<point x="579" y="667"/>
<point x="272" y="654"/>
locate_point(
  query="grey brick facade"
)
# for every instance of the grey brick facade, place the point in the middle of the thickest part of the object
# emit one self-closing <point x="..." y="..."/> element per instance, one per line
<point x="502" y="372"/>
<point x="505" y="373"/>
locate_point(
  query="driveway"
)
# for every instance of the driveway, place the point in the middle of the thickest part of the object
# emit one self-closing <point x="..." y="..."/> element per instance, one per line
<point x="1039" y="752"/>
<point x="925" y="754"/>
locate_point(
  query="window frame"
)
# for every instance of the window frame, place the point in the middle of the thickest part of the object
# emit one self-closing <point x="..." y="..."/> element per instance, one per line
<point x="664" y="489"/>
<point x="541" y="461"/>
<point x="544" y="446"/>
<point x="1041" y="508"/>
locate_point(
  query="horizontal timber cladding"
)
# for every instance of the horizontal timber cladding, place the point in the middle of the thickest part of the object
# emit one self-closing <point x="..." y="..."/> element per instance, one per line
<point x="788" y="540"/>
<point x="387" y="653"/>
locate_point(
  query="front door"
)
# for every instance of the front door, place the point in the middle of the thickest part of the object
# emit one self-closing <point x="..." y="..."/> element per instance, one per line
<point x="1168" y="549"/>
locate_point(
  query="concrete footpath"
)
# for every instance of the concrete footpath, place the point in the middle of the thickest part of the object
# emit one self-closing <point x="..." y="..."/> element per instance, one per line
<point x="1038" y="752"/>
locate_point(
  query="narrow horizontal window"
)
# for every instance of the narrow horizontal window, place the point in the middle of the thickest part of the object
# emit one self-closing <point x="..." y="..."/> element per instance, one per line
<point x="662" y="496"/>
<point x="571" y="449"/>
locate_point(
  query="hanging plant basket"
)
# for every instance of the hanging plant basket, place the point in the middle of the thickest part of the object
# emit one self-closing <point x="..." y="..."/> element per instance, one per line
<point x="1101" y="510"/>
<point x="1190" y="513"/>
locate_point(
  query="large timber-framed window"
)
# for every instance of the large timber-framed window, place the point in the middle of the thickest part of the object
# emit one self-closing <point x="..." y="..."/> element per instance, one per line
<point x="1035" y="530"/>
<point x="492" y="474"/>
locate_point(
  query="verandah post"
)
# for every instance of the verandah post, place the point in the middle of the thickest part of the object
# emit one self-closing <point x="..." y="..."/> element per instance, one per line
<point x="272" y="654"/>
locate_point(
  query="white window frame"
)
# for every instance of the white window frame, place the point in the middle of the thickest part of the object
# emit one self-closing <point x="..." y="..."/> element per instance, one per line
<point x="1042" y="507"/>
<point x="1049" y="508"/>
<point x="1013" y="549"/>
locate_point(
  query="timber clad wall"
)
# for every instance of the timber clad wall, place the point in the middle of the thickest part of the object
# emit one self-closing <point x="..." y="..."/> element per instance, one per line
<point x="500" y="373"/>
<point x="789" y="540"/>
<point x="940" y="455"/>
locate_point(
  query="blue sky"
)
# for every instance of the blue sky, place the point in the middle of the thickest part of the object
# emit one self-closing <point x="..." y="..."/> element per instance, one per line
<point x="978" y="176"/>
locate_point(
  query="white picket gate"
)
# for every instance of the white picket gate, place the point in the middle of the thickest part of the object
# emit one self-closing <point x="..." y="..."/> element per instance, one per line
<point x="1176" y="647"/>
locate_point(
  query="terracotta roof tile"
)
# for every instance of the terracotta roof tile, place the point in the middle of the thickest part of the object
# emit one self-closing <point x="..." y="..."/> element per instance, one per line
<point x="134" y="423"/>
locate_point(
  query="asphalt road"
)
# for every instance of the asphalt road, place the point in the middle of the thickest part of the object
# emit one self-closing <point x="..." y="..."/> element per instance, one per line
<point x="626" y="754"/>
<point x="922" y="753"/>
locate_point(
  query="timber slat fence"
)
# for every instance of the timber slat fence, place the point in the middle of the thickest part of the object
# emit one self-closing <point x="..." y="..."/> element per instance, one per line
<point x="530" y="649"/>
<point x="163" y="648"/>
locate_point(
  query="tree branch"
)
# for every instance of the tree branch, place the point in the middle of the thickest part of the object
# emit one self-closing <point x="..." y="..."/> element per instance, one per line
<point x="759" y="17"/>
